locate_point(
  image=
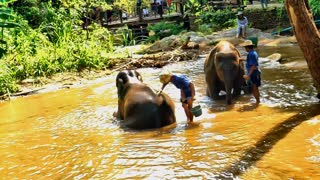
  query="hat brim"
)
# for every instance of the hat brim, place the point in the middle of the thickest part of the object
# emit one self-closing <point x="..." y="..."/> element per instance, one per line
<point x="245" y="45"/>
<point x="165" y="78"/>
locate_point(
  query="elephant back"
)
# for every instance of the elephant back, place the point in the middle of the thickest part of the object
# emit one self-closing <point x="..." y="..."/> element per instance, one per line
<point x="144" y="109"/>
<point x="139" y="106"/>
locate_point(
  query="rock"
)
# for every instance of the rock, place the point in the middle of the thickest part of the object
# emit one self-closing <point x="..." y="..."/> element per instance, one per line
<point x="276" y="57"/>
<point x="280" y="41"/>
<point x="28" y="81"/>
<point x="297" y="64"/>
<point x="189" y="45"/>
<point x="164" y="44"/>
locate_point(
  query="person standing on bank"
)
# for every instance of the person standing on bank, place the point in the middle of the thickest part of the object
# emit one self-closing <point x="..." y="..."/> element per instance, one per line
<point x="264" y="4"/>
<point x="160" y="9"/>
<point x="186" y="87"/>
<point x="242" y="22"/>
<point x="253" y="74"/>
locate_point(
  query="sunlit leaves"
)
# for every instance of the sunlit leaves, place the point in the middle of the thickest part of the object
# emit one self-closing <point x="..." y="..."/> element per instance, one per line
<point x="315" y="7"/>
<point x="129" y="5"/>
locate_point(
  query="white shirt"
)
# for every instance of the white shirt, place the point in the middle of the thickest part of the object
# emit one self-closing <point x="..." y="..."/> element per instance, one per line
<point x="243" y="22"/>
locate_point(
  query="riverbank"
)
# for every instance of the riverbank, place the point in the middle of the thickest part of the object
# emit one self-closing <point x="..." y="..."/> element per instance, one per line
<point x="166" y="51"/>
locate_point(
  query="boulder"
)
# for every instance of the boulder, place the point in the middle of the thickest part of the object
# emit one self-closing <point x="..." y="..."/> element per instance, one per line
<point x="275" y="57"/>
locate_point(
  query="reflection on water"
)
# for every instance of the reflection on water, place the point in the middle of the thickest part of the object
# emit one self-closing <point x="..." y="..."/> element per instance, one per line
<point x="70" y="134"/>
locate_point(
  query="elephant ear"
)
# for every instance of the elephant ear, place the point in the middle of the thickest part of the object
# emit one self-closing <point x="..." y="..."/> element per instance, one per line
<point x="120" y="87"/>
<point x="238" y="52"/>
<point x="209" y="60"/>
<point x="241" y="64"/>
<point x="139" y="77"/>
<point x="121" y="80"/>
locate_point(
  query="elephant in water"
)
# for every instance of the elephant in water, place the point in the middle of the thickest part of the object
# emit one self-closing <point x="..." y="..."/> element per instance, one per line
<point x="224" y="71"/>
<point x="139" y="106"/>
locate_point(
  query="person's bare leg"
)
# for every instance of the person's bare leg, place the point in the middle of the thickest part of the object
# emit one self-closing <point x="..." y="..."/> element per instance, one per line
<point x="256" y="93"/>
<point x="239" y="33"/>
<point x="186" y="110"/>
<point x="189" y="103"/>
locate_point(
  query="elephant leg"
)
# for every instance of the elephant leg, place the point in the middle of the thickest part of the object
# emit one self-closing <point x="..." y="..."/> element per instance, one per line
<point x="119" y="113"/>
<point x="238" y="83"/>
<point x="236" y="89"/>
<point x="213" y="87"/>
<point x="236" y="92"/>
<point x="215" y="92"/>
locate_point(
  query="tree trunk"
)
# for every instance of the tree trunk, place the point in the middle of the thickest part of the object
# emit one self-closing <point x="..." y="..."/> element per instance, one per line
<point x="120" y="13"/>
<point x="308" y="36"/>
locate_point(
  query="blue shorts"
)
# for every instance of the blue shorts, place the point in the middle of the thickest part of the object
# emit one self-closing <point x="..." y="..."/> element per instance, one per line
<point x="188" y="94"/>
<point x="255" y="78"/>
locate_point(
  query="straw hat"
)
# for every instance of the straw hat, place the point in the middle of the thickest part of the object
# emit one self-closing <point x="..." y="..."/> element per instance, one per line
<point x="240" y="13"/>
<point x="247" y="43"/>
<point x="165" y="76"/>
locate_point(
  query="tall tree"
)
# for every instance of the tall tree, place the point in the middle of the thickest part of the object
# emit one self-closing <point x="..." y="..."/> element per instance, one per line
<point x="307" y="35"/>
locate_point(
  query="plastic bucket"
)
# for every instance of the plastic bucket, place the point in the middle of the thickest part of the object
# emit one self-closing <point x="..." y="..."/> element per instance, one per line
<point x="254" y="40"/>
<point x="196" y="111"/>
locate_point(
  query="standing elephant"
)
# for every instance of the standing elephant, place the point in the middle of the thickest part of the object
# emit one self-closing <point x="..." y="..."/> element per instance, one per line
<point x="224" y="71"/>
<point x="140" y="106"/>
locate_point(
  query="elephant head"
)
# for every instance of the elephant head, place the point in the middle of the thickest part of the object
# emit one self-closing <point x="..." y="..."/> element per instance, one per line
<point x="224" y="71"/>
<point x="139" y="105"/>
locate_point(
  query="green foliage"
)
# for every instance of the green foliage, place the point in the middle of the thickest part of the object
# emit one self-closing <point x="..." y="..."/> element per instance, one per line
<point x="57" y="44"/>
<point x="123" y="37"/>
<point x="315" y="7"/>
<point x="7" y="82"/>
<point x="34" y="55"/>
<point x="192" y="6"/>
<point x="205" y="28"/>
<point x="163" y="29"/>
<point x="32" y="10"/>
<point x="58" y="26"/>
<point x="219" y="19"/>
<point x="7" y="22"/>
<point x="129" y="5"/>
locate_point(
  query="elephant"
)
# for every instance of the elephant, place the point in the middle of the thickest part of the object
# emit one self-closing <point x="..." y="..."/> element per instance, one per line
<point x="139" y="106"/>
<point x="224" y="70"/>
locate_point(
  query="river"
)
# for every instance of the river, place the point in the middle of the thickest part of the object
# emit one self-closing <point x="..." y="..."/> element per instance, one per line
<point x="71" y="134"/>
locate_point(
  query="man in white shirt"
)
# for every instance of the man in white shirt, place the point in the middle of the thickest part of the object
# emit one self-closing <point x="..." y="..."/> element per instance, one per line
<point x="242" y="25"/>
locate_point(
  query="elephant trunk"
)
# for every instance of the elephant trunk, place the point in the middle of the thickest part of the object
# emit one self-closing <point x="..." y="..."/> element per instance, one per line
<point x="228" y="82"/>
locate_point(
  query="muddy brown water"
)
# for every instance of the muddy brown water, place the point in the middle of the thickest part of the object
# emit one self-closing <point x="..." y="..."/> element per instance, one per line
<point x="70" y="134"/>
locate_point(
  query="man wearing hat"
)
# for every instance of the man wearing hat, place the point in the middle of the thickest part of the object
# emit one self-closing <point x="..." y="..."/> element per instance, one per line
<point x="253" y="74"/>
<point x="242" y="25"/>
<point x="186" y="87"/>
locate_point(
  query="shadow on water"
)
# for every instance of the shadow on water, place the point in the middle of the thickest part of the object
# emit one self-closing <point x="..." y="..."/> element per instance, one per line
<point x="266" y="143"/>
<point x="248" y="107"/>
